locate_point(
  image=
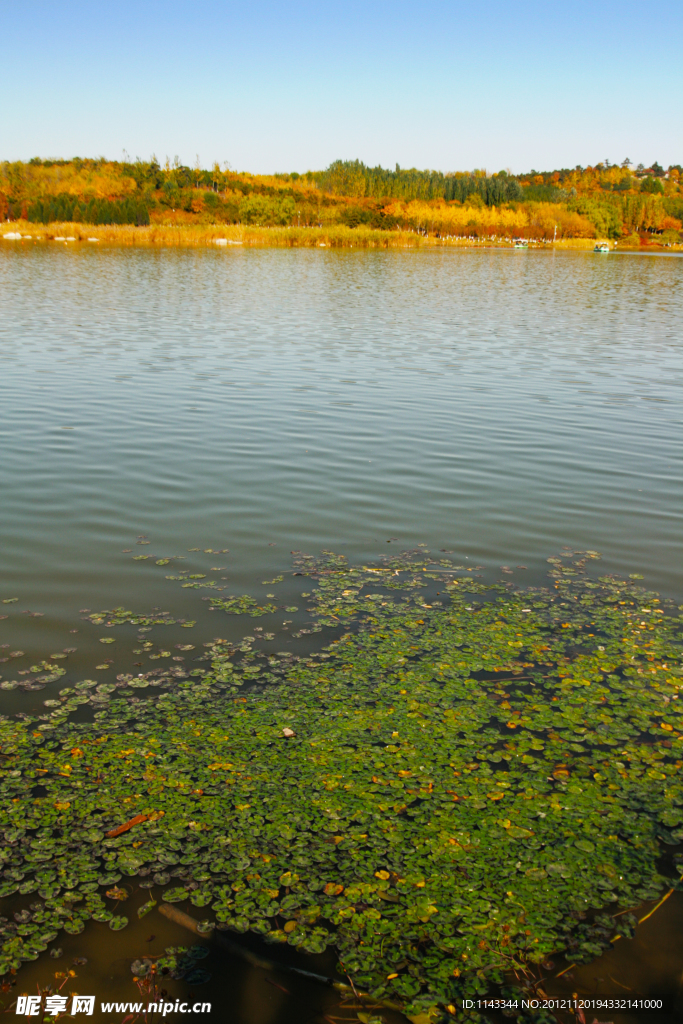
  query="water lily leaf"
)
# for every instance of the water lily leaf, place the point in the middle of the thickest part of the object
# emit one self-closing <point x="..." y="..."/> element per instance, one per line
<point x="176" y="895"/>
<point x="197" y="976"/>
<point x="117" y="894"/>
<point x="74" y="927"/>
<point x="117" y="923"/>
<point x="516" y="832"/>
<point x="499" y="723"/>
<point x="198" y="952"/>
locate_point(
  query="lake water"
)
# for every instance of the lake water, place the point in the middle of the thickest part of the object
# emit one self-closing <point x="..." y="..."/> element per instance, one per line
<point x="494" y="403"/>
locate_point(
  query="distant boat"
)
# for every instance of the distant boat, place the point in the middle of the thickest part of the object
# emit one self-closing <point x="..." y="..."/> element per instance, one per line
<point x="521" y="243"/>
<point x="601" y="247"/>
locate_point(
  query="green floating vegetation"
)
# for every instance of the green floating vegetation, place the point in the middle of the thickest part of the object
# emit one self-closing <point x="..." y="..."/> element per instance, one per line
<point x="244" y="605"/>
<point x="118" y="616"/>
<point x="38" y="675"/>
<point x="178" y="962"/>
<point x="466" y="781"/>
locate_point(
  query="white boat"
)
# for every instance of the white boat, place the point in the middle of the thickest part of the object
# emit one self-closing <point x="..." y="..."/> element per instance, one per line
<point x="521" y="243"/>
<point x="601" y="247"/>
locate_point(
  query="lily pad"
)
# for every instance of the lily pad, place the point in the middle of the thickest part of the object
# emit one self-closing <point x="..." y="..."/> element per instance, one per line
<point x="74" y="927"/>
<point x="447" y="765"/>
<point x="176" y="895"/>
<point x="197" y="976"/>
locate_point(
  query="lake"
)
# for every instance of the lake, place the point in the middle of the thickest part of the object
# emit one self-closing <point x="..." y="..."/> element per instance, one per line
<point x="233" y="407"/>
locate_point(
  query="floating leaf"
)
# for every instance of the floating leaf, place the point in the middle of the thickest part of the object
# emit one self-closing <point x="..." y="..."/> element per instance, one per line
<point x="244" y="605"/>
<point x="117" y="894"/>
<point x="491" y="725"/>
<point x="197" y="976"/>
<point x="175" y="895"/>
<point x="198" y="952"/>
<point x="74" y="927"/>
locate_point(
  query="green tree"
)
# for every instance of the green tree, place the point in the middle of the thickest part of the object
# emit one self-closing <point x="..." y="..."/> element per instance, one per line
<point x="651" y="185"/>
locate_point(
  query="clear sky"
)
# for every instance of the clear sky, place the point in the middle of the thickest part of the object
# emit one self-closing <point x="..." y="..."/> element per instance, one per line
<point x="293" y="86"/>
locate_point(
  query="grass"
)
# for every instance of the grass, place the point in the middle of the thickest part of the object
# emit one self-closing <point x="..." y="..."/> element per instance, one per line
<point x="196" y="235"/>
<point x="193" y="235"/>
<point x="580" y="243"/>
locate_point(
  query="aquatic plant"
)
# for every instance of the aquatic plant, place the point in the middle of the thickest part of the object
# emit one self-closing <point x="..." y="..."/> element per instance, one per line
<point x="244" y="605"/>
<point x="467" y="779"/>
<point x="333" y="236"/>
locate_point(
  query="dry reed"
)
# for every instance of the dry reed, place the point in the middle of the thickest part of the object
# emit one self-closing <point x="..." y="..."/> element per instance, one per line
<point x="198" y="235"/>
<point x="194" y="235"/>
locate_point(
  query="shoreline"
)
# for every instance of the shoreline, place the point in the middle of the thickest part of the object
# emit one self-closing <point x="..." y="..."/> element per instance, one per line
<point x="226" y="236"/>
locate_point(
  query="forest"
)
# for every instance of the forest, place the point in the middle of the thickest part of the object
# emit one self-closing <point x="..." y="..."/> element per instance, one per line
<point x="620" y="202"/>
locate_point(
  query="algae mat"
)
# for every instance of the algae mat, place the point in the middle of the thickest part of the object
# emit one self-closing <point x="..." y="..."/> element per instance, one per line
<point x="455" y="788"/>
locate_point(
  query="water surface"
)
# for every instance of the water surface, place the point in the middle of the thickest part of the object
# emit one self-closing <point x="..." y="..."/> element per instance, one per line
<point x="493" y="403"/>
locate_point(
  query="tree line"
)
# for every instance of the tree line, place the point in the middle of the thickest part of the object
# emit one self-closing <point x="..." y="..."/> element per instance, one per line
<point x="354" y="178"/>
<point x="614" y="199"/>
<point x="70" y="209"/>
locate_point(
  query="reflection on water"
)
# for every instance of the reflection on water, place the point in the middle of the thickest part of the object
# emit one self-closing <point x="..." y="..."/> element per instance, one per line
<point x="492" y="403"/>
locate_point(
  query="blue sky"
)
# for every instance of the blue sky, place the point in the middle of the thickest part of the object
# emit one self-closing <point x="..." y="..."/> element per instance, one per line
<point x="282" y="87"/>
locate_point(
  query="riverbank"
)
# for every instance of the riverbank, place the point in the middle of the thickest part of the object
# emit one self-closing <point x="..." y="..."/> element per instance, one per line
<point x="335" y="237"/>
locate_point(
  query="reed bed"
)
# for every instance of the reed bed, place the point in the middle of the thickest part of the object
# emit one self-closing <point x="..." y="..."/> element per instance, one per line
<point x="336" y="236"/>
<point x="580" y="243"/>
<point x="195" y="235"/>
